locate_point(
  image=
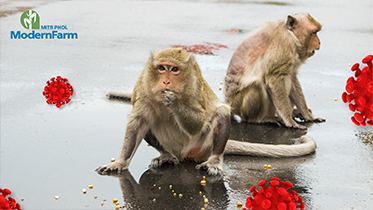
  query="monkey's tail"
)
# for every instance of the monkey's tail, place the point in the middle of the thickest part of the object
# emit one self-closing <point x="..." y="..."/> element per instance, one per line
<point x="307" y="146"/>
<point x="119" y="96"/>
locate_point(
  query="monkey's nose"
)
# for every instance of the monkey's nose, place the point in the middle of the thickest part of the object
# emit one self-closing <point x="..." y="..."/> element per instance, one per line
<point x="166" y="82"/>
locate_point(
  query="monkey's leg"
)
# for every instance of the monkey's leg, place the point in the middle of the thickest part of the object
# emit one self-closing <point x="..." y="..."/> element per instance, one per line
<point x="281" y="100"/>
<point x="214" y="163"/>
<point x="136" y="130"/>
<point x="297" y="97"/>
<point x="165" y="156"/>
<point x="254" y="105"/>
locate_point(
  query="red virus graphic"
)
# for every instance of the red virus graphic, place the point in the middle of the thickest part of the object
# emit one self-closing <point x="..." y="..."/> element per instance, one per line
<point x="274" y="197"/>
<point x="8" y="204"/>
<point x="360" y="93"/>
<point x="58" y="91"/>
<point x="201" y="48"/>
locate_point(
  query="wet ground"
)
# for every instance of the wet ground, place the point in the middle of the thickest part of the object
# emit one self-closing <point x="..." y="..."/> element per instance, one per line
<point x="48" y="151"/>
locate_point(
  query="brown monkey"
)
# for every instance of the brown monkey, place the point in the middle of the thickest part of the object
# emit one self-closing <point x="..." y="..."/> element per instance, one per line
<point x="261" y="80"/>
<point x="176" y="112"/>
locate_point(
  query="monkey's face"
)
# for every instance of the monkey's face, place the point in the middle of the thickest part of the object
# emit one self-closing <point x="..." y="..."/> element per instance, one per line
<point x="314" y="41"/>
<point x="309" y="32"/>
<point x="169" y="76"/>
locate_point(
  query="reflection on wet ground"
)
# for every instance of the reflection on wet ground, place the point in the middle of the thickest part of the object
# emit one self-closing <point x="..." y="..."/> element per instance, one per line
<point x="173" y="187"/>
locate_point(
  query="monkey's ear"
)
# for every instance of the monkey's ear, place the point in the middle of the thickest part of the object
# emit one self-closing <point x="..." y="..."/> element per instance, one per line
<point x="291" y="22"/>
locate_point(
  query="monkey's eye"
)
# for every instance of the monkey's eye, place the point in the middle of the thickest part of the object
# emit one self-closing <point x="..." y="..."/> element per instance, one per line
<point x="314" y="32"/>
<point x="161" y="68"/>
<point x="174" y="69"/>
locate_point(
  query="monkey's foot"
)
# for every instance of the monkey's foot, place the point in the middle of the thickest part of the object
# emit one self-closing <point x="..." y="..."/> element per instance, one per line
<point x="316" y="119"/>
<point x="114" y="166"/>
<point x="164" y="158"/>
<point x="213" y="166"/>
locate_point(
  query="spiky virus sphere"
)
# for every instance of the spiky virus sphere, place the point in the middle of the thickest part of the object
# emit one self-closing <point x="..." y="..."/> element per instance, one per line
<point x="359" y="93"/>
<point x="275" y="197"/>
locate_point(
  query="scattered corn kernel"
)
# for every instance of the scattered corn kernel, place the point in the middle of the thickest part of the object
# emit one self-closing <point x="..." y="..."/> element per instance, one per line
<point x="221" y="82"/>
<point x="180" y="195"/>
<point x="203" y="182"/>
<point x="112" y="159"/>
<point x="174" y="194"/>
<point x="90" y="186"/>
<point x="56" y="197"/>
<point x="95" y="196"/>
<point x="170" y="186"/>
<point x="269" y="166"/>
<point x="265" y="166"/>
<point x="84" y="191"/>
<point x="335" y="99"/>
<point x="226" y="180"/>
<point x="206" y="200"/>
<point x="239" y="204"/>
<point x="115" y="200"/>
<point x="159" y="187"/>
<point x="117" y="207"/>
<point x="154" y="200"/>
<point x="200" y="192"/>
<point x="219" y="88"/>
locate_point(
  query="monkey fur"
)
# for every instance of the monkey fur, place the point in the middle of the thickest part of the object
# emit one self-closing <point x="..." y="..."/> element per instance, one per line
<point x="176" y="112"/>
<point x="261" y="84"/>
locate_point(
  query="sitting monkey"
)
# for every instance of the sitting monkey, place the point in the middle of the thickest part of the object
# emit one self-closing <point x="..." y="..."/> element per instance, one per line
<point x="175" y="111"/>
<point x="261" y="83"/>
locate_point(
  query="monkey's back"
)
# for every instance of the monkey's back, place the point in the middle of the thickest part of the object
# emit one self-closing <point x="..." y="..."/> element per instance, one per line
<point x="258" y="54"/>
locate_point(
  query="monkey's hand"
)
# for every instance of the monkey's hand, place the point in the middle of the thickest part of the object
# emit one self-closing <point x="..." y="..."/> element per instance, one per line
<point x="168" y="97"/>
<point x="118" y="166"/>
<point x="164" y="158"/>
<point x="214" y="166"/>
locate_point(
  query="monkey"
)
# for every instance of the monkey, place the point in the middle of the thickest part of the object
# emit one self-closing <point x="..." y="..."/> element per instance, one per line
<point x="261" y="84"/>
<point x="175" y="111"/>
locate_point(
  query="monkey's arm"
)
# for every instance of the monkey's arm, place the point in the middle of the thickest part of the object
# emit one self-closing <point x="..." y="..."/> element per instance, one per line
<point x="135" y="132"/>
<point x="190" y="118"/>
<point x="296" y="95"/>
<point x="280" y="98"/>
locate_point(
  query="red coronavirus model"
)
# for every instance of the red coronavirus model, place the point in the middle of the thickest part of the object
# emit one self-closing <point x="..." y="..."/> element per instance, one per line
<point x="8" y="204"/>
<point x="58" y="91"/>
<point x="275" y="197"/>
<point x="360" y="93"/>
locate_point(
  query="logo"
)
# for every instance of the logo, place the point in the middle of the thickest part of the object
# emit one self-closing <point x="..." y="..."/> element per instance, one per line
<point x="30" y="20"/>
